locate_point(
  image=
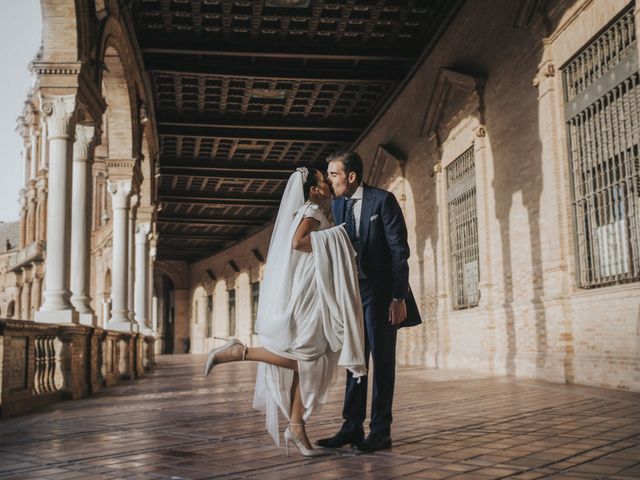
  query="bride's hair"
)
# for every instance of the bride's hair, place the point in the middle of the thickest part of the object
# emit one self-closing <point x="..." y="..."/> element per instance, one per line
<point x="312" y="181"/>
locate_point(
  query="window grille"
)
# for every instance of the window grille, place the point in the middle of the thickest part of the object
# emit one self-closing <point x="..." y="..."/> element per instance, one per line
<point x="602" y="110"/>
<point x="232" y="312"/>
<point x="255" y="296"/>
<point x="463" y="230"/>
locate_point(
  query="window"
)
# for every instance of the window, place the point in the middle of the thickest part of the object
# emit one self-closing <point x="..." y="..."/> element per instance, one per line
<point x="209" y="318"/>
<point x="463" y="230"/>
<point x="602" y="111"/>
<point x="255" y="296"/>
<point x="232" y="312"/>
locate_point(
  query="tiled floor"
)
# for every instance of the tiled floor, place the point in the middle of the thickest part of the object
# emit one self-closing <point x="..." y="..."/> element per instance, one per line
<point x="174" y="424"/>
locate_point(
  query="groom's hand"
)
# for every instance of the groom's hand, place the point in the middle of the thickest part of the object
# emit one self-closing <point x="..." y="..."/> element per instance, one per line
<point x="397" y="312"/>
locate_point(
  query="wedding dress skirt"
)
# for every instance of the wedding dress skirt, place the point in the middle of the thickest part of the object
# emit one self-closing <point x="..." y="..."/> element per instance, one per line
<point x="324" y="328"/>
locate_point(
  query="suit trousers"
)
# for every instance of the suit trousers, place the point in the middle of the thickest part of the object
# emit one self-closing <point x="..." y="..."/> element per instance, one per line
<point x="380" y="342"/>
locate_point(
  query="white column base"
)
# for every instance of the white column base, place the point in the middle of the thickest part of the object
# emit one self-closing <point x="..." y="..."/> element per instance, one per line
<point x="147" y="332"/>
<point x="120" y="321"/>
<point x="81" y="304"/>
<point x="88" y="319"/>
<point x="56" y="300"/>
<point x="57" y="316"/>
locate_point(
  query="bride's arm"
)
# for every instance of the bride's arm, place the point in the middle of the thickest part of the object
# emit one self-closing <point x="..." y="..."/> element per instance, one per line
<point x="301" y="239"/>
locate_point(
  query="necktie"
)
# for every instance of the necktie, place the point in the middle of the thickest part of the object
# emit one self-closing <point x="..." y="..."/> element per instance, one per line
<point x="350" y="220"/>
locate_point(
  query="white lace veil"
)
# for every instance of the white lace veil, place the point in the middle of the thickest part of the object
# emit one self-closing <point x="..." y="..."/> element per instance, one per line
<point x="274" y="312"/>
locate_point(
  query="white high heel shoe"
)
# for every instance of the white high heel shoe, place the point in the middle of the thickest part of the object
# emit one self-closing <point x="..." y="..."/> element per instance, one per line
<point x="211" y="358"/>
<point x="307" y="452"/>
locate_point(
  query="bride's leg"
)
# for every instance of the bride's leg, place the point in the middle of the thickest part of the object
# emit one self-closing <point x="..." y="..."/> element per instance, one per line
<point x="297" y="413"/>
<point x="261" y="354"/>
<point x="256" y="354"/>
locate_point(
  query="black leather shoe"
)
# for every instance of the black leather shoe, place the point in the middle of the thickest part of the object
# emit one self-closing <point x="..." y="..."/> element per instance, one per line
<point x="374" y="442"/>
<point x="340" y="439"/>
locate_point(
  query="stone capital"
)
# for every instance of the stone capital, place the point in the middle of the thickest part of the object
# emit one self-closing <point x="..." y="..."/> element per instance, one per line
<point x="120" y="191"/>
<point x="59" y="111"/>
<point x="86" y="138"/>
<point x="142" y="232"/>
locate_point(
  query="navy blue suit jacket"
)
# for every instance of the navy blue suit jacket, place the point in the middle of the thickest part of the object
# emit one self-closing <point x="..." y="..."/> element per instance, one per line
<point x="383" y="247"/>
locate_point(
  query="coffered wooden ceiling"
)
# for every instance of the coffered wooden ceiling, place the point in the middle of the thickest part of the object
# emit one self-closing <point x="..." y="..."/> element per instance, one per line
<point x="245" y="91"/>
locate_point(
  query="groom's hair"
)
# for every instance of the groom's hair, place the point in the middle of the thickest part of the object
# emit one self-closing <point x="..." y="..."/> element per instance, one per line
<point x="351" y="161"/>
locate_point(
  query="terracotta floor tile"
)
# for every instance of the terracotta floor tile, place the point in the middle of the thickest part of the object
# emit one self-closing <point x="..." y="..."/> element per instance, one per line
<point x="175" y="424"/>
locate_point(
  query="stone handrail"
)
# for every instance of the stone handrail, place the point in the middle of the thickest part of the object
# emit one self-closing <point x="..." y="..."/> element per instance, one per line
<point x="43" y="363"/>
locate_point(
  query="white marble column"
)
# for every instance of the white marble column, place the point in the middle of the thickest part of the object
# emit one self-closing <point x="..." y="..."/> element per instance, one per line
<point x="141" y="278"/>
<point x="80" y="226"/>
<point x="57" y="308"/>
<point x="120" y="196"/>
<point x="131" y="273"/>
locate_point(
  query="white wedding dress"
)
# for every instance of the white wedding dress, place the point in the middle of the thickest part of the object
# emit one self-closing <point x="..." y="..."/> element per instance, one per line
<point x="309" y="310"/>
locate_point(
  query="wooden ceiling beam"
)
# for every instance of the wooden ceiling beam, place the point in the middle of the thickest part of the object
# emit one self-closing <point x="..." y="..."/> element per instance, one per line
<point x="283" y="50"/>
<point x="214" y="237"/>
<point x="233" y="132"/>
<point x="204" y="171"/>
<point x="248" y="200"/>
<point x="214" y="221"/>
<point x="195" y="67"/>
<point x="248" y="123"/>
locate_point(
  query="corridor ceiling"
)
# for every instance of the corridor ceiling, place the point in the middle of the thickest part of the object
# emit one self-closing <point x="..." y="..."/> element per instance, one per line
<point x="245" y="91"/>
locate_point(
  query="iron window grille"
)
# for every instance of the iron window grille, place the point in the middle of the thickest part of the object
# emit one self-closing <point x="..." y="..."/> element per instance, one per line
<point x="463" y="230"/>
<point x="602" y="112"/>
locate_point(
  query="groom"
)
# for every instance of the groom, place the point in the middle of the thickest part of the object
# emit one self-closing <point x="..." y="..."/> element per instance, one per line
<point x="376" y="227"/>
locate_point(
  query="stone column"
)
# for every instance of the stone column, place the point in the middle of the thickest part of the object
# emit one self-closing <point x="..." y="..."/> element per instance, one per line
<point x="80" y="227"/>
<point x="25" y="300"/>
<point x="36" y="288"/>
<point x="41" y="220"/>
<point x="44" y="151"/>
<point x="33" y="171"/>
<point x="120" y="196"/>
<point x="57" y="308"/>
<point x="25" y="163"/>
<point x="141" y="278"/>
<point x="22" y="239"/>
<point x="131" y="273"/>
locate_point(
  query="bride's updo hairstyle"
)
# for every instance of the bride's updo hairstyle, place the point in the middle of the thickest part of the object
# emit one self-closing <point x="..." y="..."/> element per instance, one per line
<point x="312" y="181"/>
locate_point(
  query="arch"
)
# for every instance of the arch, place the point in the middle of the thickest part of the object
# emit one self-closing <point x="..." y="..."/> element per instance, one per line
<point x="115" y="37"/>
<point x="180" y="279"/>
<point x="120" y="96"/>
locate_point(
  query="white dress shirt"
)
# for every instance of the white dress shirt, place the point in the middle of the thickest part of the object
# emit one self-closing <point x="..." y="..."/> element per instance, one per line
<point x="357" y="207"/>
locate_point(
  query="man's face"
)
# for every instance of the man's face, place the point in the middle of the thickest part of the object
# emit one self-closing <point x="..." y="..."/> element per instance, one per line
<point x="341" y="183"/>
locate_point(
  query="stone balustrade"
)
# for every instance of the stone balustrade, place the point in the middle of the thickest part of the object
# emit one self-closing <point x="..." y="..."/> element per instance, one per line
<point x="44" y="363"/>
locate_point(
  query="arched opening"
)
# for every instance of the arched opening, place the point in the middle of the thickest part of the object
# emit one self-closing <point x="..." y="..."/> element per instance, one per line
<point x="164" y="289"/>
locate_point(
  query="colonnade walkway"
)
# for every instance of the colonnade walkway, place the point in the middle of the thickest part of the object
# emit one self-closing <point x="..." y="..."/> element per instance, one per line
<point x="175" y="424"/>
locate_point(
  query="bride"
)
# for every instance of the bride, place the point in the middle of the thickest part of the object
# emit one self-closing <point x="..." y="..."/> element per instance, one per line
<point x="310" y="316"/>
